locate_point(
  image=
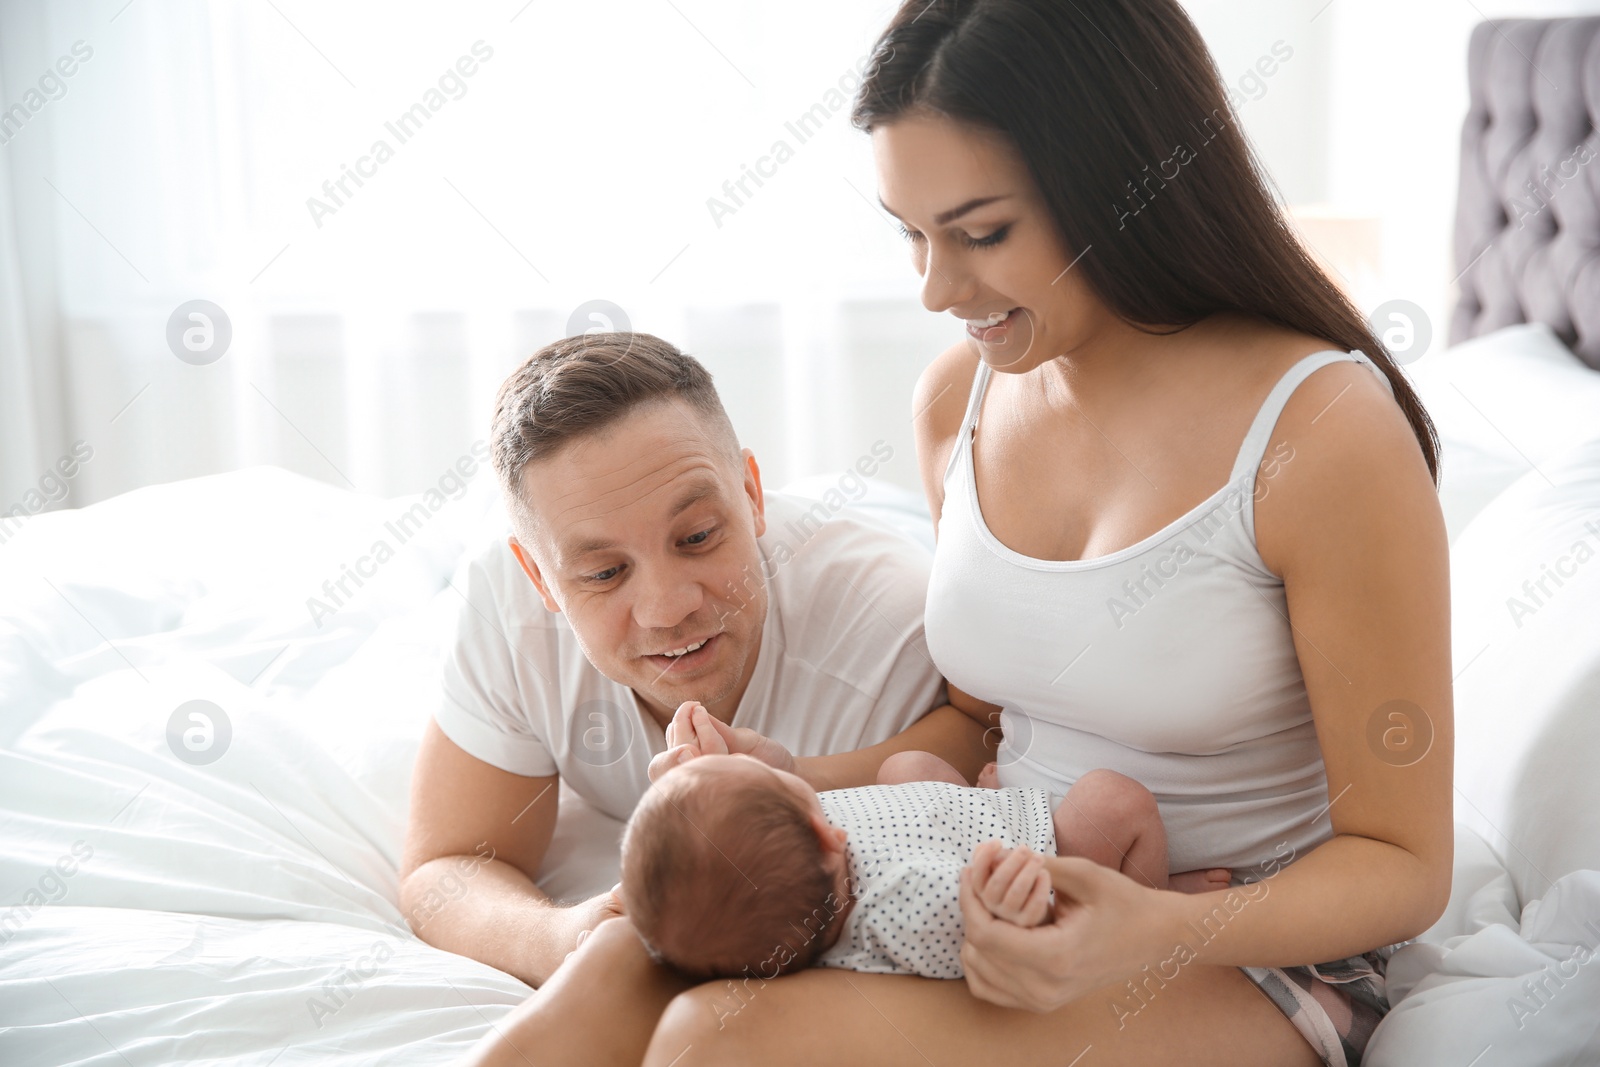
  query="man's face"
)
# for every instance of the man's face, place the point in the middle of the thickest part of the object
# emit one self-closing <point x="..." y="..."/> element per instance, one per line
<point x="644" y="533"/>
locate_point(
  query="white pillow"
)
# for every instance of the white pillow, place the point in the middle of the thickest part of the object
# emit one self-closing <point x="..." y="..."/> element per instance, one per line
<point x="1503" y="402"/>
<point x="879" y="503"/>
<point x="1525" y="615"/>
<point x="1469" y="478"/>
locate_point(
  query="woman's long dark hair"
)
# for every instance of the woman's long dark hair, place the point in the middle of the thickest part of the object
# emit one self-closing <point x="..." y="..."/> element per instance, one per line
<point x="1121" y="117"/>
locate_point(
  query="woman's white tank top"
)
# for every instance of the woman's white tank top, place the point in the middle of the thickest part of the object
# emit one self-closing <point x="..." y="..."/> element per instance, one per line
<point x="1171" y="661"/>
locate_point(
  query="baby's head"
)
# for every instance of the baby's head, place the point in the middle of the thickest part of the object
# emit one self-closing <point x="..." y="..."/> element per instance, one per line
<point x="730" y="867"/>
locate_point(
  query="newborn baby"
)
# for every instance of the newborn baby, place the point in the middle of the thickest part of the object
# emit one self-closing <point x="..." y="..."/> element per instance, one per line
<point x="731" y="867"/>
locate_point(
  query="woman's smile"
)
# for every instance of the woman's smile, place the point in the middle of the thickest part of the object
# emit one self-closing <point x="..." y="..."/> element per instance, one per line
<point x="991" y="330"/>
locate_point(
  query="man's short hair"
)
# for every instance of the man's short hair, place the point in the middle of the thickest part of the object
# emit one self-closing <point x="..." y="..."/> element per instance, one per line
<point x="579" y="385"/>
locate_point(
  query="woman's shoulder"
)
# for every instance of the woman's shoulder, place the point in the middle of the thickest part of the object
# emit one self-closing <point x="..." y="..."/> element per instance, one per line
<point x="937" y="405"/>
<point x="1257" y="352"/>
<point x="1257" y="357"/>
<point x="940" y="398"/>
<point x="1274" y="351"/>
<point x="1351" y="452"/>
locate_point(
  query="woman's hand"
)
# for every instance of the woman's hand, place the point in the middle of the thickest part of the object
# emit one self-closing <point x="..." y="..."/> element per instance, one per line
<point x="694" y="731"/>
<point x="1104" y="927"/>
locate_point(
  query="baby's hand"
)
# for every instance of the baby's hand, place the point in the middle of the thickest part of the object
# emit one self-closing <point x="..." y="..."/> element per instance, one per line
<point x="687" y="737"/>
<point x="1016" y="887"/>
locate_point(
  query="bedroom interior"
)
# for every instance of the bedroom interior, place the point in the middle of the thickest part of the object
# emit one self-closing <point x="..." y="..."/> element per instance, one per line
<point x="176" y="541"/>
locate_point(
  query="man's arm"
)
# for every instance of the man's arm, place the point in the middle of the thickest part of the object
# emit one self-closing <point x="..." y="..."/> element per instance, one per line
<point x="475" y="839"/>
<point x="959" y="736"/>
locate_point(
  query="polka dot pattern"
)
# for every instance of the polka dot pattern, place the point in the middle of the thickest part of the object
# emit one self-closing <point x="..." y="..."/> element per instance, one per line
<point x="906" y="848"/>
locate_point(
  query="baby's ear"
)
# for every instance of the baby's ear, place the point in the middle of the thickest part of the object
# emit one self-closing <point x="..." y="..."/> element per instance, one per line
<point x="832" y="837"/>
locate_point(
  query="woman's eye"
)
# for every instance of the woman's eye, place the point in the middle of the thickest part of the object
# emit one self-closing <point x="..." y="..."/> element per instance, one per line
<point x="990" y="241"/>
<point x="971" y="242"/>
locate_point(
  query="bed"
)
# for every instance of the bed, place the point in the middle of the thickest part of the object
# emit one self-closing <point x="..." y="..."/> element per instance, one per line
<point x="203" y="773"/>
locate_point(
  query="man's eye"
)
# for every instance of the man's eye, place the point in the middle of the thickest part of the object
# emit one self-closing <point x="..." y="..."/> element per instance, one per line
<point x="697" y="539"/>
<point x="604" y="576"/>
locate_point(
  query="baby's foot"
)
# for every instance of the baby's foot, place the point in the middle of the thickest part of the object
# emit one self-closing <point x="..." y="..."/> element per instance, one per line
<point x="989" y="777"/>
<point x="1200" y="881"/>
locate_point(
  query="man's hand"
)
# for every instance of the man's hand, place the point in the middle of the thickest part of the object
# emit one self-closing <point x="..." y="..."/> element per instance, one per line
<point x="582" y="918"/>
<point x="694" y="731"/>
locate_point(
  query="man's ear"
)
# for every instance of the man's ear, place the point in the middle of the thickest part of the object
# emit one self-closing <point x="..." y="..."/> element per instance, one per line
<point x="831" y="837"/>
<point x="531" y="569"/>
<point x="752" y="488"/>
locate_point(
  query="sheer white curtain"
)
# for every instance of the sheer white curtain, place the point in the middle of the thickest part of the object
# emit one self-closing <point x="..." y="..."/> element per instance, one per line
<point x="393" y="205"/>
<point x="33" y="423"/>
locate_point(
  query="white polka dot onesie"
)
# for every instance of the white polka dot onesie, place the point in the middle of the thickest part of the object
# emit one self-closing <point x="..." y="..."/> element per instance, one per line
<point x="906" y="848"/>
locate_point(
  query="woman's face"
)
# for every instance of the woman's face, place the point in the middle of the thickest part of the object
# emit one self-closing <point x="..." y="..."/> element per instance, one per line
<point x="984" y="241"/>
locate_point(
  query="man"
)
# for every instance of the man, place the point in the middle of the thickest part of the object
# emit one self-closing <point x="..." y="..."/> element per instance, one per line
<point x="646" y="568"/>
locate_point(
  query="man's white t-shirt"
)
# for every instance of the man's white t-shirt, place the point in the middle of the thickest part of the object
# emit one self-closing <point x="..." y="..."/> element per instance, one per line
<point x="843" y="663"/>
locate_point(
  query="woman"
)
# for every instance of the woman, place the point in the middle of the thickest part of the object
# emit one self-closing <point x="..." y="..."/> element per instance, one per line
<point x="1270" y="657"/>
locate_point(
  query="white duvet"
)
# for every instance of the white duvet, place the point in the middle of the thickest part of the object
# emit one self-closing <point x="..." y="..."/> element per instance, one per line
<point x="163" y="909"/>
<point x="242" y="910"/>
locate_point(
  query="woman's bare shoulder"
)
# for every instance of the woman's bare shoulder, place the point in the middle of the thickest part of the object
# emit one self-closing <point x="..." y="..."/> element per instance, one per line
<point x="1353" y="450"/>
<point x="937" y="405"/>
<point x="1262" y="349"/>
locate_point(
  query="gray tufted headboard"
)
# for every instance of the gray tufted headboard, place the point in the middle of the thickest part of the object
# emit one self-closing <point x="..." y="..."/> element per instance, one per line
<point x="1527" y="235"/>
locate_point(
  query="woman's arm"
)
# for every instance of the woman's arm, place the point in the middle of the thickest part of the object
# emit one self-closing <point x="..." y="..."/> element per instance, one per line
<point x="958" y="737"/>
<point x="1352" y="524"/>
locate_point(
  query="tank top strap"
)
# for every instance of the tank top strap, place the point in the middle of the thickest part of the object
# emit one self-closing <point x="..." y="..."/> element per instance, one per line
<point x="969" y="421"/>
<point x="1255" y="442"/>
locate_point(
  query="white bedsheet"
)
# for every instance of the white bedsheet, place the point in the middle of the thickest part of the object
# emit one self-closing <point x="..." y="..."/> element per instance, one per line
<point x="244" y="911"/>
